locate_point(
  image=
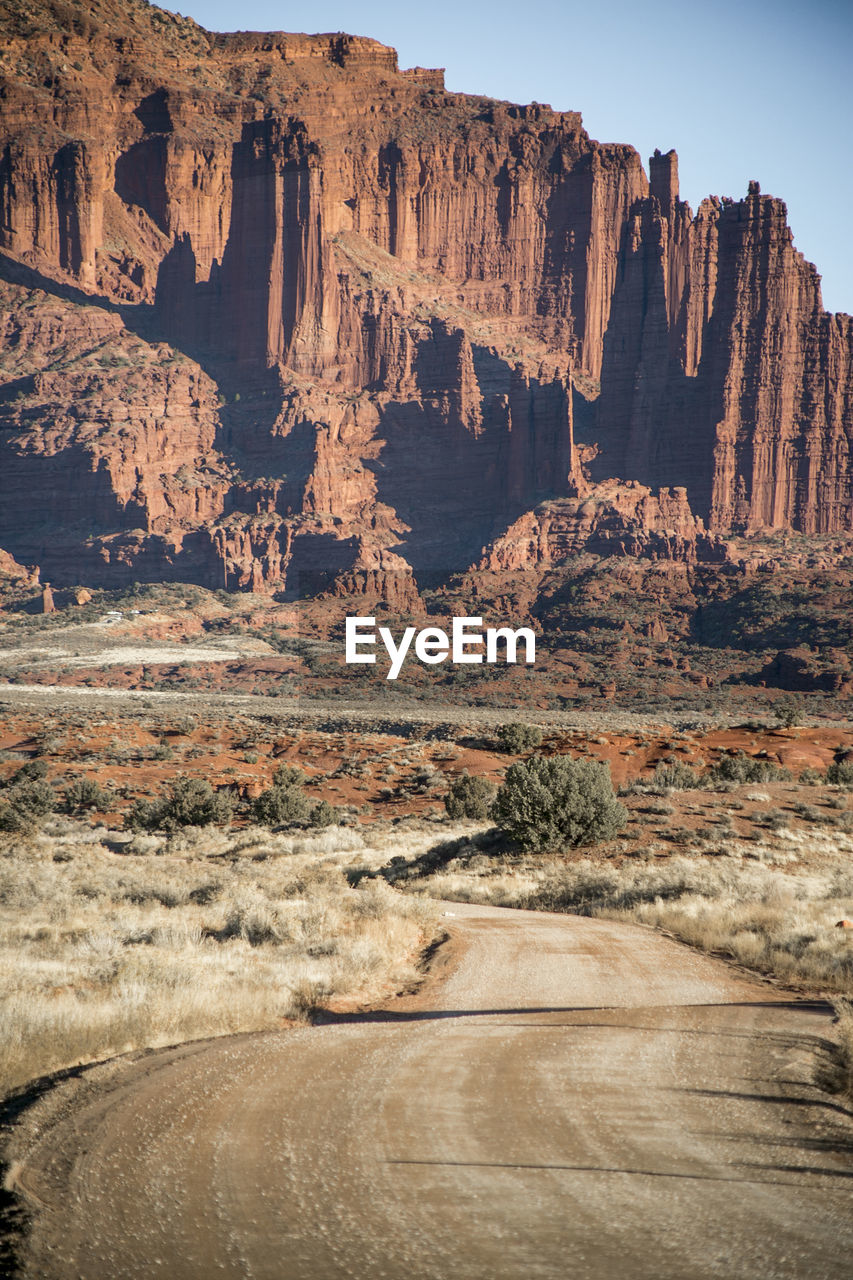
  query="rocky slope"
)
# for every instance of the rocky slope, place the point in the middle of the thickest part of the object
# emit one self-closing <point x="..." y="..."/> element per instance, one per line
<point x="278" y="315"/>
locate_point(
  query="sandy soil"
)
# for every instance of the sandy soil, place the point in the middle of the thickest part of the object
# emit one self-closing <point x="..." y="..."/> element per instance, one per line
<point x="564" y="1097"/>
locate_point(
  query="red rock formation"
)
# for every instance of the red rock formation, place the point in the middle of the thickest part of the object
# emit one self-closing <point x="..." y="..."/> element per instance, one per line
<point x="15" y="577"/>
<point x="612" y="519"/>
<point x="105" y="436"/>
<point x="721" y="370"/>
<point x="245" y="153"/>
<point x="801" y="670"/>
<point x="276" y="312"/>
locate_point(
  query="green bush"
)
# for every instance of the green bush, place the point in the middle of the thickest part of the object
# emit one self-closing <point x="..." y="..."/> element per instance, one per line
<point x="470" y="797"/>
<point x="34" y="797"/>
<point x="285" y="804"/>
<point x="25" y="802"/>
<point x="840" y="773"/>
<point x="288" y="805"/>
<point x="145" y="815"/>
<point x="677" y="777"/>
<point x="744" y="768"/>
<point x="281" y="806"/>
<point x="558" y="803"/>
<point x="517" y="737"/>
<point x="83" y="794"/>
<point x="324" y="814"/>
<point x="32" y="771"/>
<point x="288" y="775"/>
<point x="190" y="802"/>
<point x="774" y="819"/>
<point x="12" y="820"/>
<point x="789" y="713"/>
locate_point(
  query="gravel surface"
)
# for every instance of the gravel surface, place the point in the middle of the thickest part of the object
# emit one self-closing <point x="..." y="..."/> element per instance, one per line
<point x="563" y="1098"/>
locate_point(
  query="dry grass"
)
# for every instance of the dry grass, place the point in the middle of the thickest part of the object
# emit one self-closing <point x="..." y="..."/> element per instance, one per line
<point x="844" y="1028"/>
<point x="770" y="907"/>
<point x="202" y="934"/>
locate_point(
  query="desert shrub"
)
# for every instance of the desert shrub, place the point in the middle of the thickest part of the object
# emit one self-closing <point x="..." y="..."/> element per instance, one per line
<point x="517" y="737"/>
<point x="424" y="779"/>
<point x="281" y="806"/>
<point x="32" y="771"/>
<point x="24" y="803"/>
<point x="677" y="777"/>
<point x="744" y="768"/>
<point x="144" y="815"/>
<point x="840" y="773"/>
<point x="789" y="713"/>
<point x="558" y="803"/>
<point x="773" y="819"/>
<point x="809" y="813"/>
<point x="288" y="775"/>
<point x="83" y="794"/>
<point x="285" y="804"/>
<point x="324" y="814"/>
<point x="190" y="802"/>
<point x="11" y="820"/>
<point x="35" y="797"/>
<point x="470" y="797"/>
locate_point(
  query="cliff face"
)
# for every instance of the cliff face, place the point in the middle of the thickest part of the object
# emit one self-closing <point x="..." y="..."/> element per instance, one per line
<point x="278" y="314"/>
<point x="139" y="146"/>
<point x="721" y="370"/>
<point x="108" y="444"/>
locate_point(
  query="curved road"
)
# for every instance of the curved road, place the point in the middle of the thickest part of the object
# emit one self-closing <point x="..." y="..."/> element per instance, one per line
<point x="564" y="1098"/>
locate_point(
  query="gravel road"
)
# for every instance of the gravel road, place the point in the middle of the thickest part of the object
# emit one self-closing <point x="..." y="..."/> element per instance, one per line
<point x="563" y="1098"/>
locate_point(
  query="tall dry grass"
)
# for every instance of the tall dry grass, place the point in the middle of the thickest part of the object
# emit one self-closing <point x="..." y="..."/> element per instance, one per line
<point x="771" y="907"/>
<point x="844" y="1028"/>
<point x="204" y="933"/>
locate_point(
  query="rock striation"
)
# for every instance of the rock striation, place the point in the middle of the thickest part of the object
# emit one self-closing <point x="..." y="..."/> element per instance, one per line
<point x="280" y="316"/>
<point x="721" y="370"/>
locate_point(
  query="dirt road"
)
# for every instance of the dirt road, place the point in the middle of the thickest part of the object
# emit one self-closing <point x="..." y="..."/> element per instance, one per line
<point x="565" y="1098"/>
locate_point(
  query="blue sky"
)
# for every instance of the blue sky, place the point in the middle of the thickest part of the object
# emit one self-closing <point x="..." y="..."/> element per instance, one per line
<point x="742" y="90"/>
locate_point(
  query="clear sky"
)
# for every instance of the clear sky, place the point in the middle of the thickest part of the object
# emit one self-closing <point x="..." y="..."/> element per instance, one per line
<point x="741" y="88"/>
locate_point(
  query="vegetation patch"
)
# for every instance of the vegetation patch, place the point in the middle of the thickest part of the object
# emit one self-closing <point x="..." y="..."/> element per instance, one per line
<point x="470" y="797"/>
<point x="107" y="947"/>
<point x="766" y="909"/>
<point x="516" y="738"/>
<point x="555" y="802"/>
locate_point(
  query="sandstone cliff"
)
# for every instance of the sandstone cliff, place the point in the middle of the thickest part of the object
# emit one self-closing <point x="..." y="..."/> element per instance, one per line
<point x="277" y="314"/>
<point x="721" y="370"/>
